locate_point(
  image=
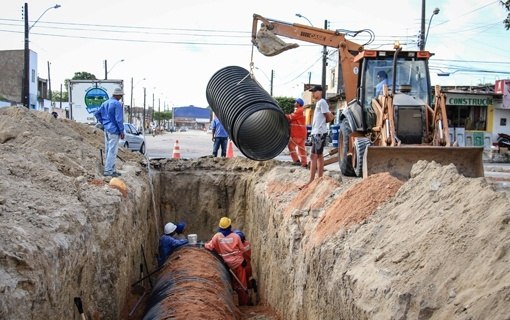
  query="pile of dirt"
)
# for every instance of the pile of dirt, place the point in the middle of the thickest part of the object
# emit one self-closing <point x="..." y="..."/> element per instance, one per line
<point x="436" y="246"/>
<point x="59" y="217"/>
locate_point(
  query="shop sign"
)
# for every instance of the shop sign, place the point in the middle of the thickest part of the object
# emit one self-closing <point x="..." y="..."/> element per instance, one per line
<point x="453" y="99"/>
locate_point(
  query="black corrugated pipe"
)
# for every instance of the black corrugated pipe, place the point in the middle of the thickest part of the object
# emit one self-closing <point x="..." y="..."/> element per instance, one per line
<point x="252" y="118"/>
<point x="192" y="284"/>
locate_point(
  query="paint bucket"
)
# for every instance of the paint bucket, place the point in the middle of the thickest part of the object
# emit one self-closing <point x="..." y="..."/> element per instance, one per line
<point x="192" y="239"/>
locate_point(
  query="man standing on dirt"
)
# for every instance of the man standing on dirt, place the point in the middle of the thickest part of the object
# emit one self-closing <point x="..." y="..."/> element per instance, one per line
<point x="219" y="137"/>
<point x="297" y="139"/>
<point x="111" y="117"/>
<point x="321" y="117"/>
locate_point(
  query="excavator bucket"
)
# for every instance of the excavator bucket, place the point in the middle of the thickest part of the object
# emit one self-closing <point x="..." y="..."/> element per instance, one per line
<point x="398" y="161"/>
<point x="270" y="45"/>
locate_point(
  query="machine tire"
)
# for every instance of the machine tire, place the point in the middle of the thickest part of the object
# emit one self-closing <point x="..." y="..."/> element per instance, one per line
<point x="360" y="146"/>
<point x="344" y="160"/>
<point x="142" y="148"/>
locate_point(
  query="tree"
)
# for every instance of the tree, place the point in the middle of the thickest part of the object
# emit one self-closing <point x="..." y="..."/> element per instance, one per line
<point x="286" y="103"/>
<point x="506" y="4"/>
<point x="81" y="75"/>
<point x="55" y="96"/>
<point x="84" y="75"/>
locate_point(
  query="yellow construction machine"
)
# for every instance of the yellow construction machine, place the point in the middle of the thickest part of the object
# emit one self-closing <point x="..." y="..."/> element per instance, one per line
<point x="386" y="127"/>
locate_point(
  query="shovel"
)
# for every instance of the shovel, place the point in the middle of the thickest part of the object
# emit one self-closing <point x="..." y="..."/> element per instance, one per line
<point x="77" y="302"/>
<point x="139" y="288"/>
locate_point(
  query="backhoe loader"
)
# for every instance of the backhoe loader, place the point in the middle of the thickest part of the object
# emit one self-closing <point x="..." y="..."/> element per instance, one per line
<point x="385" y="128"/>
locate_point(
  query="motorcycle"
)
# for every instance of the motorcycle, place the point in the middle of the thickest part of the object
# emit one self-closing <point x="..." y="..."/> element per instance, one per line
<point x="503" y="140"/>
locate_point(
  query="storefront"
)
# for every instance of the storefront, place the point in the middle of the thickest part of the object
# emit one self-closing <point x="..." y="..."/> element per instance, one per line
<point x="469" y="118"/>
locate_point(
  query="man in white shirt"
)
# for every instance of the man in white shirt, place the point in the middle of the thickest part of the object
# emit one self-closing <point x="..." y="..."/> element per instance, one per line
<point x="319" y="133"/>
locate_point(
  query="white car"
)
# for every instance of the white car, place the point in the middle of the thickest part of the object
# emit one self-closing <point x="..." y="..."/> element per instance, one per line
<point x="133" y="139"/>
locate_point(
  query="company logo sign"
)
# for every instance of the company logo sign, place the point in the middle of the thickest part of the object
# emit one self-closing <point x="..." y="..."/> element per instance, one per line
<point x="94" y="97"/>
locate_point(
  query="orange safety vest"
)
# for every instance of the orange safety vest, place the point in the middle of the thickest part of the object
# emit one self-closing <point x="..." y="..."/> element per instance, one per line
<point x="297" y="121"/>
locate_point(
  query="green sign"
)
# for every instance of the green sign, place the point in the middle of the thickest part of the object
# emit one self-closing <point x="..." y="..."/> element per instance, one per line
<point x="453" y="99"/>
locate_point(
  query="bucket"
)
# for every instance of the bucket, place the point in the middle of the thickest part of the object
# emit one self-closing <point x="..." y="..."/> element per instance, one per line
<point x="192" y="239"/>
<point x="335" y="128"/>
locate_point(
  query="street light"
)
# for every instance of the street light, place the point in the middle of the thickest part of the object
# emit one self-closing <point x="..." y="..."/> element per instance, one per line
<point x="302" y="16"/>
<point x="422" y="39"/>
<point x="106" y="71"/>
<point x="436" y="11"/>
<point x="26" y="72"/>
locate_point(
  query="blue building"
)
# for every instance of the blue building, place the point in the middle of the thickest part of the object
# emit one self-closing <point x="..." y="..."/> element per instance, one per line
<point x="192" y="117"/>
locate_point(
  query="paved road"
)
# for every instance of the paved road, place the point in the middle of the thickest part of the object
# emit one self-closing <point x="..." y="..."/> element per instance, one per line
<point x="195" y="144"/>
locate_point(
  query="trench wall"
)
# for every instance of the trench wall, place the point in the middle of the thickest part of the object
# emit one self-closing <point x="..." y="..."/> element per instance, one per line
<point x="88" y="247"/>
<point x="297" y="281"/>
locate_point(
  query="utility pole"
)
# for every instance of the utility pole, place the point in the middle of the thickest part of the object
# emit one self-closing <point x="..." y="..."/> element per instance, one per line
<point x="325" y="63"/>
<point x="61" y="96"/>
<point x="131" y="105"/>
<point x="272" y="77"/>
<point x="153" y="107"/>
<point x="144" y="100"/>
<point x="421" y="41"/>
<point x="26" y="72"/>
<point x="49" y="85"/>
<point x="106" y="69"/>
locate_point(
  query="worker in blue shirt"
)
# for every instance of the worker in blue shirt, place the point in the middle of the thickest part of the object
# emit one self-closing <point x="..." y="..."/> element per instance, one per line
<point x="219" y="137"/>
<point x="167" y="243"/>
<point x="111" y="116"/>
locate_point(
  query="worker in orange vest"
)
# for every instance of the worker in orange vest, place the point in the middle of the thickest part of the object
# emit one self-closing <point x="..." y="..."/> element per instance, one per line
<point x="229" y="246"/>
<point x="297" y="139"/>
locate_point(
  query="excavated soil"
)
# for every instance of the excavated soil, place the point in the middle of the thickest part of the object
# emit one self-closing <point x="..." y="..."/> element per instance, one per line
<point x="434" y="247"/>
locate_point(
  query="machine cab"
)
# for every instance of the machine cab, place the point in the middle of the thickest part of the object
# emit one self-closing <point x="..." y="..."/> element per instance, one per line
<point x="412" y="76"/>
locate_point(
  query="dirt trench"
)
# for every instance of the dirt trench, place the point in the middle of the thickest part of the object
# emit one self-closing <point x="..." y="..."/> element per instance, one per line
<point x="434" y="247"/>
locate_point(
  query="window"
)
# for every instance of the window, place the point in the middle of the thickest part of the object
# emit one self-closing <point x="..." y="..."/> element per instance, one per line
<point x="412" y="77"/>
<point x="33" y="75"/>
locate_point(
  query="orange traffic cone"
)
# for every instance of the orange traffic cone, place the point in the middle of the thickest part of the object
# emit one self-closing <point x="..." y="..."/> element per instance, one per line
<point x="230" y="149"/>
<point x="177" y="150"/>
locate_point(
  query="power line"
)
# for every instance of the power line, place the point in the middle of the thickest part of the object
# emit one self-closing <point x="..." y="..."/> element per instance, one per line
<point x="132" y="27"/>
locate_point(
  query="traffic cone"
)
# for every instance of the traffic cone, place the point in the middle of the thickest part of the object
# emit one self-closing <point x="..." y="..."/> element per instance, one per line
<point x="230" y="149"/>
<point x="177" y="150"/>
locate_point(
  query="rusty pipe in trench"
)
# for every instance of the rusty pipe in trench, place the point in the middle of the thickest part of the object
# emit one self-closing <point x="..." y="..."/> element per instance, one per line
<point x="192" y="284"/>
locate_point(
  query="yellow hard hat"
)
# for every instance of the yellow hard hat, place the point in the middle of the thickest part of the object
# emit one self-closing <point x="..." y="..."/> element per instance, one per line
<point x="225" y="223"/>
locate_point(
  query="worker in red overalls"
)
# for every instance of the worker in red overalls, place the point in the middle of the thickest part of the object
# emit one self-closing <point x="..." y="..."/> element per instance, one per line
<point x="229" y="246"/>
<point x="246" y="253"/>
<point x="297" y="122"/>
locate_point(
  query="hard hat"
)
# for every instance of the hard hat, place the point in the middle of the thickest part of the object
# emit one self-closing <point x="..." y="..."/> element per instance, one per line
<point x="240" y="234"/>
<point x="225" y="223"/>
<point x="169" y="228"/>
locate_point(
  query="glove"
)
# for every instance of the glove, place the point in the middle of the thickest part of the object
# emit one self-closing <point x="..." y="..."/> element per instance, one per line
<point x="245" y="263"/>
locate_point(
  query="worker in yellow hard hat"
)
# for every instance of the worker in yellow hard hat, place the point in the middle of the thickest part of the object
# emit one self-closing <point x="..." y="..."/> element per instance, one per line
<point x="229" y="246"/>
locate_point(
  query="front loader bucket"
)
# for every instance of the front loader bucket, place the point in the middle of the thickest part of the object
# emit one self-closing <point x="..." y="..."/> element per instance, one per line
<point x="270" y="45"/>
<point x="398" y="161"/>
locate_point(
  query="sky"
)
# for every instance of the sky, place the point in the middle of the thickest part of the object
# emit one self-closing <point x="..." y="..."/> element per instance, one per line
<point x="173" y="48"/>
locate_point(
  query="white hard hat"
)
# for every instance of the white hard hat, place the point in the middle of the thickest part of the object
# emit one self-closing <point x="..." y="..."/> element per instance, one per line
<point x="169" y="228"/>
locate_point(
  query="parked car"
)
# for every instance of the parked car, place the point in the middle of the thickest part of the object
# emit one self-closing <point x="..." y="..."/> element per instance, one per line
<point x="183" y="129"/>
<point x="133" y="139"/>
